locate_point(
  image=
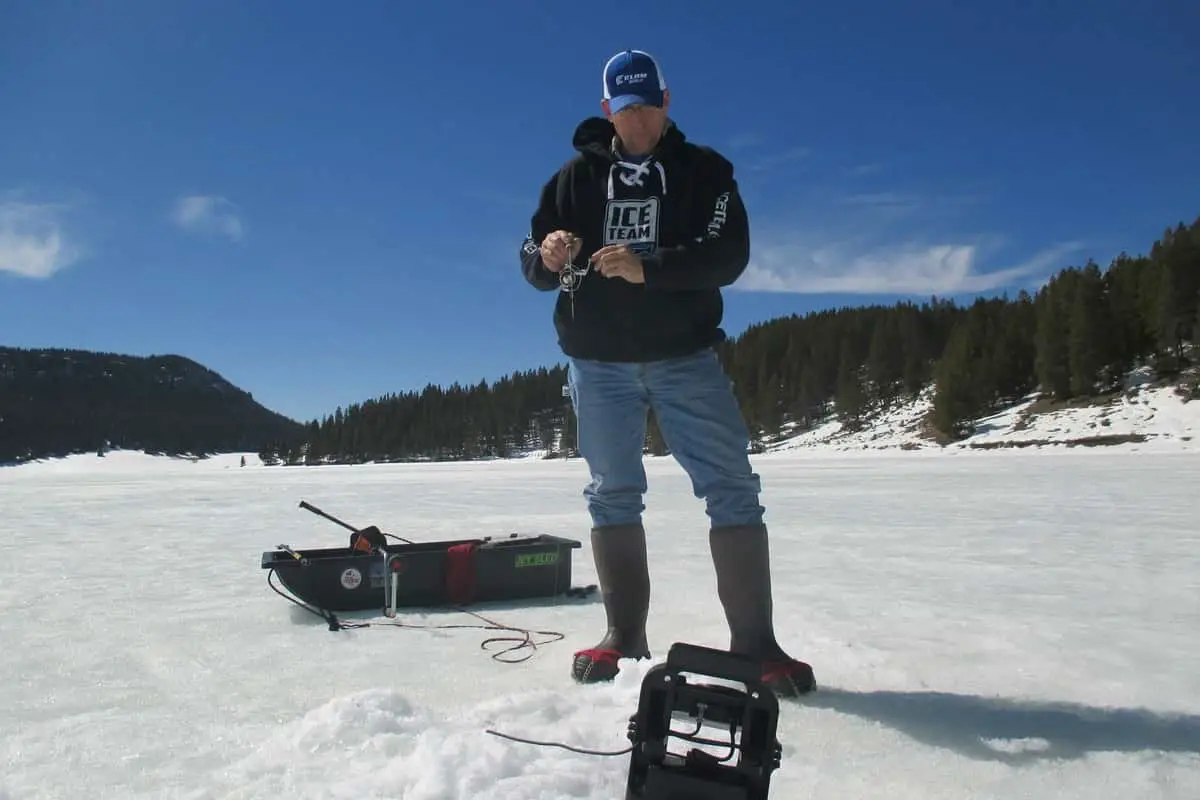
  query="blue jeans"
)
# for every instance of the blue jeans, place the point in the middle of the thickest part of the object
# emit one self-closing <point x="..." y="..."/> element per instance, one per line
<point x="701" y="423"/>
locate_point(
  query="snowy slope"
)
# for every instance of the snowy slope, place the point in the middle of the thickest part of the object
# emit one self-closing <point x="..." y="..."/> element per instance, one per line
<point x="1141" y="418"/>
<point x="972" y="639"/>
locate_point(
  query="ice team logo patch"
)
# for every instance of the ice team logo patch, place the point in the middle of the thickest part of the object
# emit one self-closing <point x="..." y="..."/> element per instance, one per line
<point x="633" y="223"/>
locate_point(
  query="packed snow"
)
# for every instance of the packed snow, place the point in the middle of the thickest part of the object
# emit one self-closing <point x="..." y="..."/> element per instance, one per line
<point x="1142" y="418"/>
<point x="983" y="624"/>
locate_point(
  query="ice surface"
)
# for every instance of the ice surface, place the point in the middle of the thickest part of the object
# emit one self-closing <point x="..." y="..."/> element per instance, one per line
<point x="984" y="625"/>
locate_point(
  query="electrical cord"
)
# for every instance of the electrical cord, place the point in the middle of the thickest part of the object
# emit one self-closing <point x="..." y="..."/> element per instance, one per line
<point x="687" y="737"/>
<point x="525" y="641"/>
<point x="585" y="751"/>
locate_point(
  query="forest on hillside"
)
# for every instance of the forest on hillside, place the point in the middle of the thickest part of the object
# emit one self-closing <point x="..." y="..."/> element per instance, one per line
<point x="55" y="402"/>
<point x="1075" y="337"/>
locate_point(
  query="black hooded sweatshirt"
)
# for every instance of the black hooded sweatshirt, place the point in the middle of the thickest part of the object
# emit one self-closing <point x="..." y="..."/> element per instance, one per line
<point x="679" y="209"/>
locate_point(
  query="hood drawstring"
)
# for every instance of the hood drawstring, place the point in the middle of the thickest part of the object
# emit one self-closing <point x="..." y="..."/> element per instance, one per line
<point x="635" y="174"/>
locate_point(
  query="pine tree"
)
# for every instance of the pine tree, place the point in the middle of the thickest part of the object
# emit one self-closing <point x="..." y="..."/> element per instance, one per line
<point x="769" y="406"/>
<point x="1177" y="257"/>
<point x="885" y="358"/>
<point x="1087" y="331"/>
<point x="1052" y="359"/>
<point x="656" y="445"/>
<point x="955" y="399"/>
<point x="1196" y="333"/>
<point x="851" y="397"/>
<point x="1013" y="351"/>
<point x="808" y="405"/>
<point x="916" y="347"/>
<point x="1130" y="332"/>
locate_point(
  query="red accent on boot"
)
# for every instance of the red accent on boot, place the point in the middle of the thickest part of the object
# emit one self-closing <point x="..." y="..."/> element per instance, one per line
<point x="789" y="678"/>
<point x="595" y="665"/>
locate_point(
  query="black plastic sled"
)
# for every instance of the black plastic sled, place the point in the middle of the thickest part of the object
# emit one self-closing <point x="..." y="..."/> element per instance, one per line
<point x="373" y="573"/>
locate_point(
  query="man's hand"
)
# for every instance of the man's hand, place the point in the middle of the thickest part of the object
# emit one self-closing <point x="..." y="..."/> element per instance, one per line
<point x="618" y="261"/>
<point x="557" y="246"/>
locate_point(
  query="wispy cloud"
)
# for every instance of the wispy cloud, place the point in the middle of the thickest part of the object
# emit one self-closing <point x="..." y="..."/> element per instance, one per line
<point x="884" y="200"/>
<point x="210" y="214"/>
<point x="741" y="141"/>
<point x="900" y="268"/>
<point x="893" y="242"/>
<point x="862" y="170"/>
<point x="33" y="242"/>
<point x="753" y="152"/>
<point x="775" y="160"/>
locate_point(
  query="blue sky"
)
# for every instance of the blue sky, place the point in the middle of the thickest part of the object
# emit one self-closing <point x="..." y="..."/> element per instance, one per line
<point x="324" y="201"/>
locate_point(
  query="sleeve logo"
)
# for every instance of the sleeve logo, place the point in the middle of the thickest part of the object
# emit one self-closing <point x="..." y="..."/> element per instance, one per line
<point x="720" y="214"/>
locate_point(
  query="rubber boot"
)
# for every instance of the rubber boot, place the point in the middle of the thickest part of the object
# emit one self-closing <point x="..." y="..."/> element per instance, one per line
<point x="742" y="560"/>
<point x="619" y="552"/>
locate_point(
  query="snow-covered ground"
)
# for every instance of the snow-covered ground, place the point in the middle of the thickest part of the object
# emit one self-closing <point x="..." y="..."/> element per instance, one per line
<point x="984" y="624"/>
<point x="1143" y="418"/>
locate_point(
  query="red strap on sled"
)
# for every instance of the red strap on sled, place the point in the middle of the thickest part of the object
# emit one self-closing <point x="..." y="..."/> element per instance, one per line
<point x="460" y="573"/>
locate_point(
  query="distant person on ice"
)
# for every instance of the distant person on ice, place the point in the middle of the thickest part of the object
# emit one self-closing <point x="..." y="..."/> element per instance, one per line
<point x="640" y="230"/>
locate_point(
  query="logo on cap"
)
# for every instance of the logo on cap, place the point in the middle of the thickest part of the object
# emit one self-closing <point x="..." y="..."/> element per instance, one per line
<point x="633" y="77"/>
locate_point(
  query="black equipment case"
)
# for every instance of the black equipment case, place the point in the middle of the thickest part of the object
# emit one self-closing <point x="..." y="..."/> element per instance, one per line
<point x="454" y="573"/>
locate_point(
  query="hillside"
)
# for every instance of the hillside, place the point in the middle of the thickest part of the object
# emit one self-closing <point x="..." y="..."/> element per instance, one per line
<point x="55" y="402"/>
<point x="1146" y="414"/>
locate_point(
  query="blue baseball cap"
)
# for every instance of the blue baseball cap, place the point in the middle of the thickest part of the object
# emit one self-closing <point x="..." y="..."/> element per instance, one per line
<point x="633" y="76"/>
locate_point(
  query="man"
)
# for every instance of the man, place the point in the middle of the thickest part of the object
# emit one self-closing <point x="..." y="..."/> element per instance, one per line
<point x="640" y="230"/>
